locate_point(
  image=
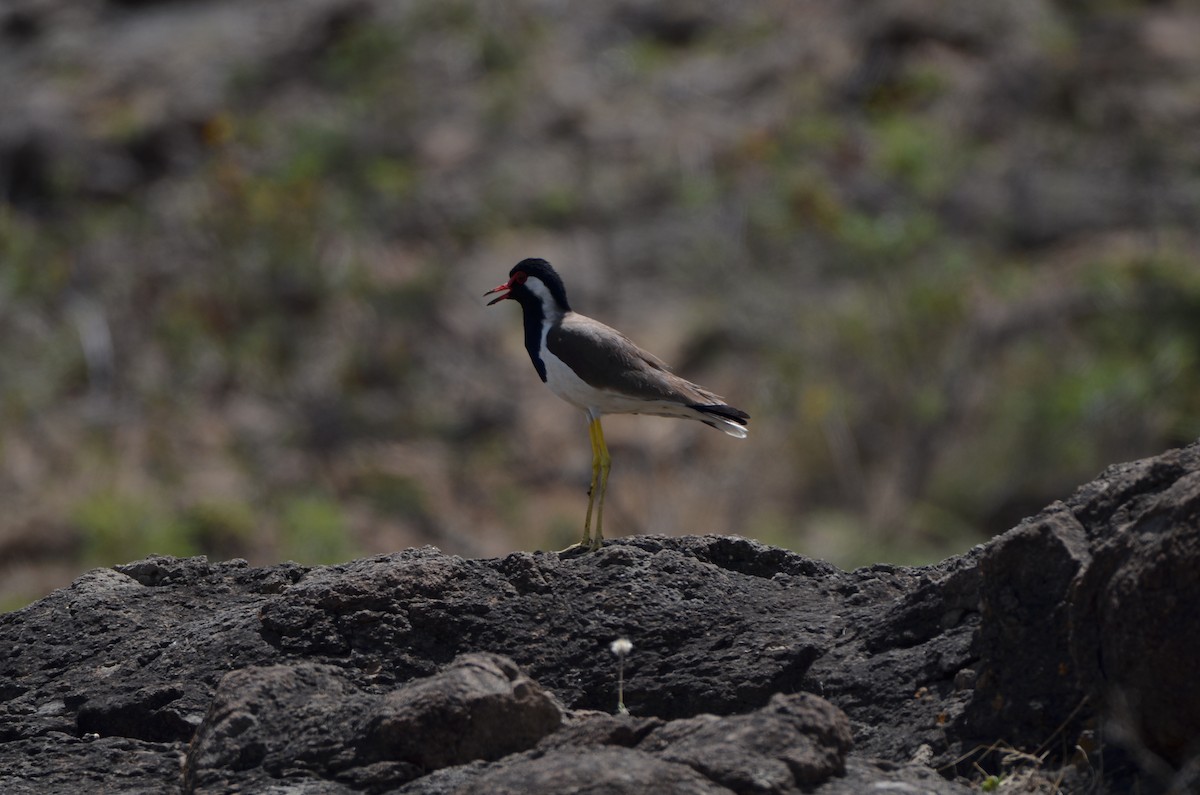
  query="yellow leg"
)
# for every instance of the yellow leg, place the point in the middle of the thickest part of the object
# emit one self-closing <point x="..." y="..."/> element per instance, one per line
<point x="603" y="461"/>
<point x="586" y="543"/>
<point x="601" y="464"/>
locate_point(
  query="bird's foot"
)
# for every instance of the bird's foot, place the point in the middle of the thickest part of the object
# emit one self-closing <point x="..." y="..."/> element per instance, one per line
<point x="588" y="544"/>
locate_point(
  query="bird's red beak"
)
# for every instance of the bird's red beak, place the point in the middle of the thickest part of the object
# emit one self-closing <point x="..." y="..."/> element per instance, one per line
<point x="506" y="286"/>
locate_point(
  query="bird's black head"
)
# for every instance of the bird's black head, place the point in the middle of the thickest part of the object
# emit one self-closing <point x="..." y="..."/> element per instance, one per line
<point x="533" y="283"/>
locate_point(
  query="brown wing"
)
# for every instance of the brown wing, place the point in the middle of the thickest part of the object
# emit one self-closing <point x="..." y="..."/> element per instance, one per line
<point x="606" y="359"/>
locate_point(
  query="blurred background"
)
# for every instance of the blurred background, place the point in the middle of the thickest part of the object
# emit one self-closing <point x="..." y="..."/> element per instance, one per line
<point x="944" y="253"/>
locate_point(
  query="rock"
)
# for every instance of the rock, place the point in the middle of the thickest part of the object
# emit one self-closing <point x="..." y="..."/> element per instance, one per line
<point x="277" y="719"/>
<point x="58" y="762"/>
<point x="693" y="626"/>
<point x="791" y="745"/>
<point x="604" y="771"/>
<point x="1028" y="686"/>
<point x="795" y="741"/>
<point x="876" y="775"/>
<point x="290" y="724"/>
<point x="1135" y="611"/>
<point x="752" y="667"/>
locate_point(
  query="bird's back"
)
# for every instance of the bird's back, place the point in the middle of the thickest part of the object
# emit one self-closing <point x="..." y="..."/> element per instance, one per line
<point x="621" y="378"/>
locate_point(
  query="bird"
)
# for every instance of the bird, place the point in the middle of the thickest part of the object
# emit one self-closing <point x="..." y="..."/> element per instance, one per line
<point x="601" y="371"/>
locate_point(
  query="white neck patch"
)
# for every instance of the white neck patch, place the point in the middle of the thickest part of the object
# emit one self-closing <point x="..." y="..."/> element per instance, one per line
<point x="550" y="308"/>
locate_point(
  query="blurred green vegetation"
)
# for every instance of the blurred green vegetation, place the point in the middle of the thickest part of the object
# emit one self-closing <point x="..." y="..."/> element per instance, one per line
<point x="315" y="530"/>
<point x="277" y="351"/>
<point x="116" y="526"/>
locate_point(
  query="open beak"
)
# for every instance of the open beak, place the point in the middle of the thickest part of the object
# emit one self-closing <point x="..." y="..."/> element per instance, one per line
<point x="505" y="286"/>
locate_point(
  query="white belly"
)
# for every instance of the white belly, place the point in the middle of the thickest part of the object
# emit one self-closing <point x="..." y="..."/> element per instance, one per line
<point x="573" y="389"/>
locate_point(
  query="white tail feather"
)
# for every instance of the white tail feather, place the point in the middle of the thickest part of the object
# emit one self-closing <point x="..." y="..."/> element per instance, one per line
<point x="731" y="428"/>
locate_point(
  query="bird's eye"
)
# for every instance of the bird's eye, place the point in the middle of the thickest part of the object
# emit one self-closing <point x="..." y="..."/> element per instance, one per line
<point x="519" y="277"/>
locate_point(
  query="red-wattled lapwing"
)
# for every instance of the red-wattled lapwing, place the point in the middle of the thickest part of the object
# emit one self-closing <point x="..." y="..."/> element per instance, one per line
<point x="598" y="369"/>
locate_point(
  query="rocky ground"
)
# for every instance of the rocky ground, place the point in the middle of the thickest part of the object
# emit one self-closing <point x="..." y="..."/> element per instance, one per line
<point x="1060" y="656"/>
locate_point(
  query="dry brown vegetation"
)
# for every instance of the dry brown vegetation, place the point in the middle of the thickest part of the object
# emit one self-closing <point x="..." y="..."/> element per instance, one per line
<point x="946" y="258"/>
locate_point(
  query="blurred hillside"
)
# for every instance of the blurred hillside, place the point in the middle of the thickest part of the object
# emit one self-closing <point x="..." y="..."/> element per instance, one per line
<point x="944" y="253"/>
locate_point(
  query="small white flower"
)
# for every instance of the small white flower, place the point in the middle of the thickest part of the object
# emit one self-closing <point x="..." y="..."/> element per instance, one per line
<point x="621" y="647"/>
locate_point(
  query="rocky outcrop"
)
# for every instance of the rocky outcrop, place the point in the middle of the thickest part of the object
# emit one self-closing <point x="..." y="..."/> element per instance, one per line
<point x="1069" y="639"/>
<point x="1135" y="610"/>
<point x="269" y="720"/>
